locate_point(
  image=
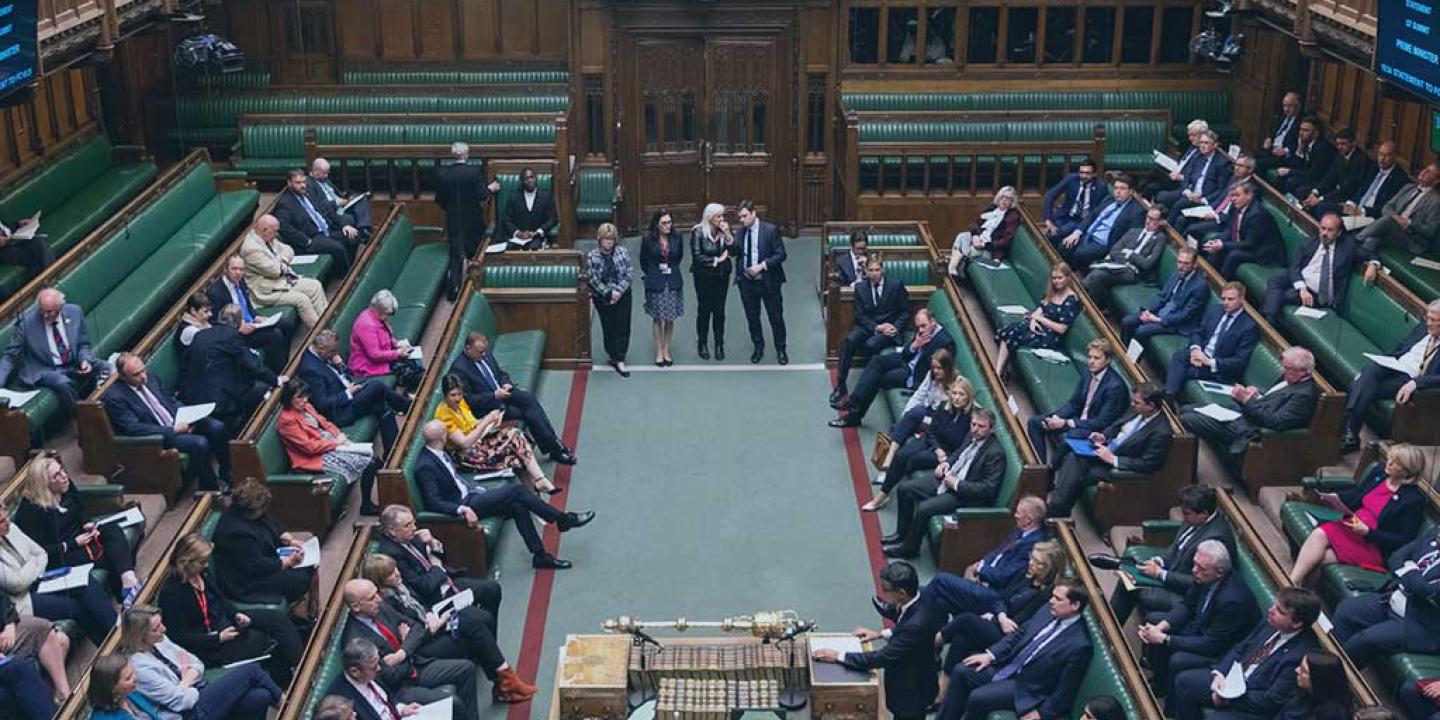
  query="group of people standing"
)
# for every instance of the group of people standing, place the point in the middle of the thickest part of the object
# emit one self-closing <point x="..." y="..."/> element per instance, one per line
<point x="751" y="258"/>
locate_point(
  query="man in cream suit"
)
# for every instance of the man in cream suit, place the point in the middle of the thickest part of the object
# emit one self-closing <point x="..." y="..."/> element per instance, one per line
<point x="268" y="273"/>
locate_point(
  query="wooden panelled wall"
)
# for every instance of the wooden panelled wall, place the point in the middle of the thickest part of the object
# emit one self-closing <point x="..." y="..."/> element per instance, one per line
<point x="63" y="106"/>
<point x="1346" y="96"/>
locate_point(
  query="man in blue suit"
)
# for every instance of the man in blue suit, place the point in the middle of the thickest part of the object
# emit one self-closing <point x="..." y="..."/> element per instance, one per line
<point x="1098" y="400"/>
<point x="1268" y="657"/>
<point x="882" y="311"/>
<point x="1091" y="240"/>
<point x="488" y="387"/>
<point x="342" y="400"/>
<point x="1033" y="672"/>
<point x="908" y="658"/>
<point x="1072" y="201"/>
<point x="850" y="266"/>
<point x="1216" y="613"/>
<point x="1417" y="352"/>
<point x="1247" y="234"/>
<point x="446" y="492"/>
<point x="759" y="274"/>
<point x="139" y="405"/>
<point x="1404" y="616"/>
<point x="1319" y="274"/>
<point x="1176" y="309"/>
<point x="1220" y="347"/>
<point x="1203" y="178"/>
<point x="904" y="369"/>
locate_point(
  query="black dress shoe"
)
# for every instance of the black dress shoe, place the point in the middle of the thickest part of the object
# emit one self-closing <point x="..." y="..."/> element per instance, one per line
<point x="900" y="552"/>
<point x="848" y="421"/>
<point x="719" y="350"/>
<point x="781" y="356"/>
<point x="885" y="609"/>
<point x="546" y="561"/>
<point x="892" y="539"/>
<point x="622" y="373"/>
<point x="757" y="356"/>
<point x="1349" y="443"/>
<point x="1104" y="561"/>
<point x="451" y="293"/>
<point x="837" y="398"/>
<point x="563" y="456"/>
<point x="570" y="520"/>
<point x="369" y="509"/>
<point x="702" y="350"/>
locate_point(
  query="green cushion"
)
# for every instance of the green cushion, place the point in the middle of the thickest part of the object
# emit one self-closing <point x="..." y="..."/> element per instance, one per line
<point x="531" y="276"/>
<point x="1424" y="282"/>
<point x="877" y="240"/>
<point x="498" y="76"/>
<point x="595" y="200"/>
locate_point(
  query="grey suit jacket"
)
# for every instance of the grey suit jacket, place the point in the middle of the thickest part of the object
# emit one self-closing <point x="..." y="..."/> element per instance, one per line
<point x="1143" y="262"/>
<point x="1424" y="230"/>
<point x="29" y="349"/>
<point x="160" y="685"/>
<point x="1289" y="408"/>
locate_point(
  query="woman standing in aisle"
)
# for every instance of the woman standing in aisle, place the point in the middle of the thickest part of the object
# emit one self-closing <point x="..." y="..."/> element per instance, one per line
<point x="660" y="253"/>
<point x="610" y="279"/>
<point x="710" y="243"/>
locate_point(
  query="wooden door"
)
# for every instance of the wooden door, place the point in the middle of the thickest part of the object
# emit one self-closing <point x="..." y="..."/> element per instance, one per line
<point x="667" y="108"/>
<point x="747" y="156"/>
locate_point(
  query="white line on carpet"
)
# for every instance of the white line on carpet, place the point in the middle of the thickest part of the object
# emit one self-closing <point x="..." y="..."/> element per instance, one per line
<point x="807" y="367"/>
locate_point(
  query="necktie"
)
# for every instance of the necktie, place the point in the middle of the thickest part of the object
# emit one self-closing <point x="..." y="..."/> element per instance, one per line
<point x="1100" y="231"/>
<point x="162" y="415"/>
<point x="1235" y="225"/>
<point x="329" y="191"/>
<point x="1220" y="329"/>
<point x="247" y="313"/>
<point x="1283" y="131"/>
<point x="1429" y="355"/>
<point x="375" y="693"/>
<point x="1184" y="539"/>
<point x="60" y="346"/>
<point x="750" y="250"/>
<point x="1414" y="202"/>
<point x="962" y="464"/>
<point x="1325" y="269"/>
<point x="315" y="215"/>
<point x="1263" y="651"/>
<point x="1304" y="152"/>
<point x="1144" y="240"/>
<point x="1427" y="561"/>
<point x="1082" y="203"/>
<point x="489" y="376"/>
<point x="1209" y="594"/>
<point x="1126" y="431"/>
<point x="1200" y="179"/>
<point x="877" y="290"/>
<point x="1000" y="552"/>
<point x="1368" y="199"/>
<point x="1029" y="653"/>
<point x="389" y="634"/>
<point x="425" y="563"/>
<point x="1090" y="396"/>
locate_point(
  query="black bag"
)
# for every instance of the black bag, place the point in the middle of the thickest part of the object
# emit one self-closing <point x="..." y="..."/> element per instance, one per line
<point x="408" y="374"/>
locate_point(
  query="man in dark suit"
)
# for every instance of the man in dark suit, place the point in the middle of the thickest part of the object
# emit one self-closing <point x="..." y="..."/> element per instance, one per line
<point x="882" y="311"/>
<point x="421" y="559"/>
<point x="1034" y="671"/>
<point x="447" y="493"/>
<point x="1130" y="260"/>
<point x="908" y="658"/>
<point x="759" y="273"/>
<point x="1200" y="521"/>
<point x="904" y="369"/>
<point x="1312" y="159"/>
<point x="50" y="349"/>
<point x="358" y="214"/>
<point x="139" y="405"/>
<point x="1217" y="612"/>
<point x="488" y="387"/>
<point x="1382" y="181"/>
<point x="1279" y="145"/>
<point x="309" y="224"/>
<point x="371" y="696"/>
<point x="273" y="342"/>
<point x="529" y="214"/>
<point x="1319" y="274"/>
<point x="1176" y="309"/>
<point x="1220" y="347"/>
<point x="1267" y="657"/>
<point x="1072" y="201"/>
<point x="972" y="479"/>
<point x="342" y="400"/>
<point x="34" y="254"/>
<point x="980" y="588"/>
<point x="461" y="191"/>
<point x="1203" y="179"/>
<point x="1343" y="180"/>
<point x="1417" y="353"/>
<point x="1242" y="168"/>
<point x="405" y="669"/>
<point x="850" y="266"/>
<point x="1404" y="616"/>
<point x="1137" y="443"/>
<point x="224" y="371"/>
<point x="1247" y="234"/>
<point x="1090" y="241"/>
<point x="1288" y="405"/>
<point x="1097" y="401"/>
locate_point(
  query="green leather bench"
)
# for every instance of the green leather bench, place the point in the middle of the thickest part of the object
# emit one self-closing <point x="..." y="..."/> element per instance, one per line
<point x="498" y="76"/>
<point x="876" y="240"/>
<point x="1128" y="143"/>
<point x="414" y="275"/>
<point x="270" y="150"/>
<point x="255" y="75"/>
<point x="520" y="353"/>
<point x="530" y="276"/>
<point x="130" y="279"/>
<point x="1424" y="282"/>
<point x="597" y="195"/>
<point x="77" y="192"/>
<point x="1254" y="576"/>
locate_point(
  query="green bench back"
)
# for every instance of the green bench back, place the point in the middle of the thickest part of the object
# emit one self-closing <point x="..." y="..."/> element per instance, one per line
<point x="510" y="182"/>
<point x="877" y="240"/>
<point x="595" y="200"/>
<point x="1030" y="263"/>
<point x="531" y="276"/>
<point x="380" y="274"/>
<point x="224" y="111"/>
<point x="1377" y="315"/>
<point x="378" y="76"/>
<point x="288" y="141"/>
<point x="1103" y="676"/>
<point x="60" y="180"/>
<point x="1184" y="105"/>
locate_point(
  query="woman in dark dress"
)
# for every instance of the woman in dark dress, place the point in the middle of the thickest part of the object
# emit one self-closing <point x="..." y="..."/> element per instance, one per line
<point x="246" y="562"/>
<point x="53" y="515"/>
<point x="202" y="621"/>
<point x="660" y="252"/>
<point x="197" y="317"/>
<point x="942" y="431"/>
<point x="610" y="279"/>
<point x="1044" y="326"/>
<point x="1321" y="691"/>
<point x="710" y="263"/>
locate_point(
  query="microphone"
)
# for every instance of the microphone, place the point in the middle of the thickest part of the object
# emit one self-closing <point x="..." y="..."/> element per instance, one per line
<point x="803" y="626"/>
<point x="644" y="637"/>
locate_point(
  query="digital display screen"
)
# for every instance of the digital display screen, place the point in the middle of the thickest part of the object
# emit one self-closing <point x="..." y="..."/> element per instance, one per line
<point x="1407" y="46"/>
<point x="17" y="44"/>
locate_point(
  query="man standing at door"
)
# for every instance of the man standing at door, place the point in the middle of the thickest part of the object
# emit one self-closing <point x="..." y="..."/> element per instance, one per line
<point x="759" y="275"/>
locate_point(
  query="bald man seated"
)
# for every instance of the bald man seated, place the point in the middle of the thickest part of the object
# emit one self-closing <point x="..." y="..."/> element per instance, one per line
<point x="271" y="278"/>
<point x="49" y="349"/>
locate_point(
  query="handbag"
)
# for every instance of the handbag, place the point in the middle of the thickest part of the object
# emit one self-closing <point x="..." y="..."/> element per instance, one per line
<point x="881" y="452"/>
<point x="408" y="373"/>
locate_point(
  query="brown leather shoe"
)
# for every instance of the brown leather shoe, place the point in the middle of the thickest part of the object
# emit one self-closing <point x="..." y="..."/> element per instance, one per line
<point x="509" y="688"/>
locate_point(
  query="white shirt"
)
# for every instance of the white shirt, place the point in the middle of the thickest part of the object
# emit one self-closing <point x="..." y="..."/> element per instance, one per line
<point x="887" y="632"/>
<point x="1067" y="622"/>
<point x="380" y="705"/>
<point x="1368" y="199"/>
<point x="1200" y="179"/>
<point x="962" y="463"/>
<point x="1145" y="237"/>
<point x="449" y="465"/>
<point x="530" y="199"/>
<point x="1310" y="274"/>
<point x="1284" y="638"/>
<point x="1412" y="357"/>
<point x="55" y="351"/>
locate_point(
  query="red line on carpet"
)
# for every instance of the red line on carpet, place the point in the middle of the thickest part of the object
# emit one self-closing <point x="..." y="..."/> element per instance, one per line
<point x="860" y="479"/>
<point x="532" y="640"/>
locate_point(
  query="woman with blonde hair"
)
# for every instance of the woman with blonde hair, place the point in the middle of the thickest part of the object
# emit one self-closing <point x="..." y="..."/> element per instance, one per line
<point x="1379" y="515"/>
<point x="486" y="444"/>
<point x="710" y="244"/>
<point x="989" y="237"/>
<point x="53" y="515"/>
<point x="941" y="432"/>
<point x="1044" y="326"/>
<point x="173" y="680"/>
<point x="27" y="636"/>
<point x="610" y="279"/>
<point x="660" y="252"/>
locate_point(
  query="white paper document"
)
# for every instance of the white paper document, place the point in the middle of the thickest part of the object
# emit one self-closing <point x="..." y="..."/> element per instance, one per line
<point x="1234" y="152"/>
<point x="79" y="576"/>
<point x="416" y="353"/>
<point x="238" y="663"/>
<point x="1233" y="686"/>
<point x="1309" y="312"/>
<point x="28" y="228"/>
<point x="840" y="644"/>
<point x="441" y="709"/>
<point x="1191" y="242"/>
<point x="1324" y="623"/>
<point x="1012" y="309"/>
<point x="1049" y="355"/>
<point x="1109" y="266"/>
<point x="18" y="398"/>
<point x="129" y="518"/>
<point x="193" y="413"/>
<point x="1198" y="211"/>
<point x="303" y="260"/>
<point x="1214" y="387"/>
<point x="458" y="601"/>
<point x="264" y="321"/>
<point x="496" y="248"/>
<point x="1134" y="350"/>
<point x="991" y="266"/>
<point x="1353" y="222"/>
<point x="1165" y="161"/>
<point x="351" y="202"/>
<point x="1218" y="412"/>
<point x="1014" y="406"/>
<point x="361" y="448"/>
<point x="1390" y="363"/>
<point x="312" y="553"/>
<point x="1426" y="263"/>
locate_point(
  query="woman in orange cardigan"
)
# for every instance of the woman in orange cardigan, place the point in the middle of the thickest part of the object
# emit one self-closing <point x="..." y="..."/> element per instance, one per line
<point x="315" y="445"/>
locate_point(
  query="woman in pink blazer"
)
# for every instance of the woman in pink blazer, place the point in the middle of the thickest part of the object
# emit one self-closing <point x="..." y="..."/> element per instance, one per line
<point x="372" y="347"/>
